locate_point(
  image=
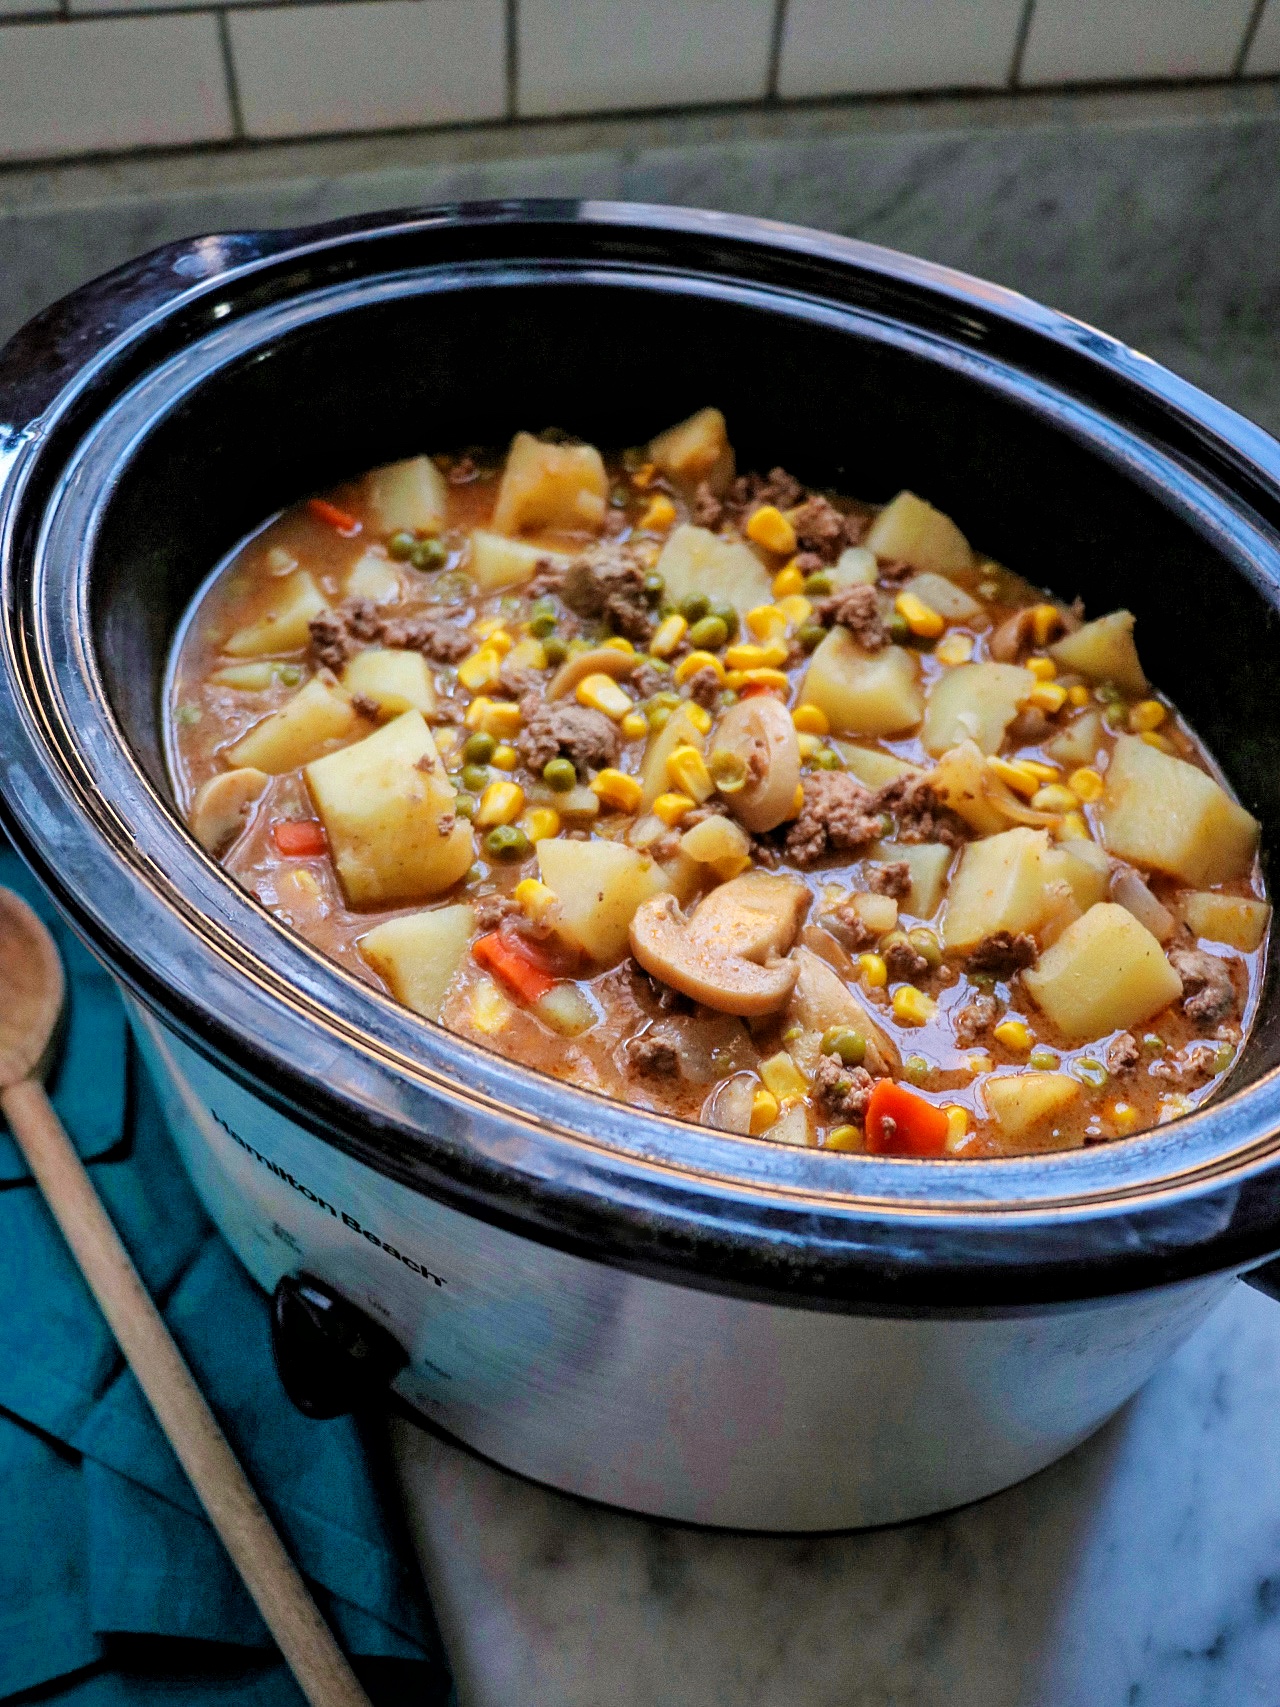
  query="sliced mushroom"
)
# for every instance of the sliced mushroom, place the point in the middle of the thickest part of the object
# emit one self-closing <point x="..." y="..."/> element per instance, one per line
<point x="600" y="660"/>
<point x="221" y="808"/>
<point x="1131" y="893"/>
<point x="703" y="965"/>
<point x="754" y="915"/>
<point x="760" y="731"/>
<point x="821" y="999"/>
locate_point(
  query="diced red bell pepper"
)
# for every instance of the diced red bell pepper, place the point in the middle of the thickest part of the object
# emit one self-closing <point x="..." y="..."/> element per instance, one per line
<point x="324" y="511"/>
<point x="517" y="963"/>
<point x="300" y="838"/>
<point x="899" y="1123"/>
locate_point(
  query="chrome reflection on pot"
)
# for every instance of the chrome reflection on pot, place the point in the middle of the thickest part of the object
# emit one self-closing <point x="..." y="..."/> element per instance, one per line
<point x="652" y="1314"/>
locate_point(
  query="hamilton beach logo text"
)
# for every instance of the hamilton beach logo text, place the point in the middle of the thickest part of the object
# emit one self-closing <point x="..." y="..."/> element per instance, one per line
<point x="320" y="1203"/>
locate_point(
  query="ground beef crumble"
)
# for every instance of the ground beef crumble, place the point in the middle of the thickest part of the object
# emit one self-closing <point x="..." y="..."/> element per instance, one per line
<point x="493" y="911"/>
<point x="653" y="1056"/>
<point x="1208" y="991"/>
<point x="838" y="812"/>
<point x="611" y="588"/>
<point x="894" y="880"/>
<point x="820" y="528"/>
<point x="905" y="964"/>
<point x="704" y="688"/>
<point x="975" y="1019"/>
<point x="842" y="1093"/>
<point x="1193" y="1065"/>
<point x="1002" y="954"/>
<point x="706" y="510"/>
<point x="847" y="925"/>
<point x="577" y="732"/>
<point x="1122" y="1054"/>
<point x="920" y="814"/>
<point x="858" y="610"/>
<point x="338" y="634"/>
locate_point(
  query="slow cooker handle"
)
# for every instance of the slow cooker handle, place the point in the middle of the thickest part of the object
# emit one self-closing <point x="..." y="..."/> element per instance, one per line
<point x="331" y="1358"/>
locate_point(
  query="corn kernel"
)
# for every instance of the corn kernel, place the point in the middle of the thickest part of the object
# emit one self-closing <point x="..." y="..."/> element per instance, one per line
<point x="1073" y="828"/>
<point x="911" y="1006"/>
<point x="481" y="670"/>
<point x="528" y="654"/>
<point x="659" y="514"/>
<point x="671" y="807"/>
<point x="1049" y="697"/>
<point x="448" y="740"/>
<point x="955" y="649"/>
<point x="1014" y="1035"/>
<point x="1124" y="1116"/>
<point x="1078" y="694"/>
<point x="494" y="634"/>
<point x="687" y="771"/>
<point x="615" y="788"/>
<point x="304" y="884"/>
<point x="921" y="619"/>
<point x="735" y="679"/>
<point x="875" y="974"/>
<point x="538" y="823"/>
<point x="783" y="1077"/>
<point x="643" y="476"/>
<point x="771" y="529"/>
<point x="746" y="656"/>
<point x="1046" y="621"/>
<point x="504" y="757"/>
<point x="1086" y="784"/>
<point x="796" y="608"/>
<point x="809" y="745"/>
<point x="692" y="662"/>
<point x="1016" y="774"/>
<point x="811" y="720"/>
<point x="490" y="1009"/>
<point x="634" y="726"/>
<point x="979" y="1063"/>
<point x="1154" y="739"/>
<point x="699" y="716"/>
<point x="797" y="801"/>
<point x="602" y="693"/>
<point x="501" y="803"/>
<point x="619" y="643"/>
<point x="775" y="680"/>
<point x="535" y="900"/>
<point x="957" y="1125"/>
<point x="1043" y="669"/>
<point x="1147" y="714"/>
<point x="668" y="635"/>
<point x="1053" y="797"/>
<point x="764" y="1111"/>
<point x="788" y="582"/>
<point x="845" y="1138"/>
<point x="496" y="717"/>
<point x="767" y="622"/>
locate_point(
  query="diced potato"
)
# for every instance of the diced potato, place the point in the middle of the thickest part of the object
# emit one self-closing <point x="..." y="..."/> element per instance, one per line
<point x="1023" y="1103"/>
<point x="696" y="450"/>
<point x="872" y="767"/>
<point x="1237" y="920"/>
<point x="407" y="497"/>
<point x="1161" y="812"/>
<point x="879" y="913"/>
<point x="318" y="718"/>
<point x="791" y="1126"/>
<point x="696" y="561"/>
<point x="1083" y="867"/>
<point x="910" y="531"/>
<point x="929" y="862"/>
<point x="396" y="681"/>
<point x="974" y="702"/>
<point x="1079" y="742"/>
<point x="863" y="693"/>
<point x="1103" y="651"/>
<point x="495" y="562"/>
<point x="944" y="596"/>
<point x="598" y="886"/>
<point x="567" y="1010"/>
<point x="720" y="843"/>
<point x="678" y="731"/>
<point x="1106" y="972"/>
<point x="998" y="886"/>
<point x="286" y="626"/>
<point x="419" y="954"/>
<point x="550" y="486"/>
<point x="855" y="567"/>
<point x="374" y="577"/>
<point x="960" y="781"/>
<point x="388" y="809"/>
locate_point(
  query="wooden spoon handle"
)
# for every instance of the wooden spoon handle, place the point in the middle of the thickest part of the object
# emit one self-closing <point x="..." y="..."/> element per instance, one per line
<point x="234" y="1509"/>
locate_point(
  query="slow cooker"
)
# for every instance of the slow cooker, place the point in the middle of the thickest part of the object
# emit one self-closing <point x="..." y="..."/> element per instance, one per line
<point x="642" y="1311"/>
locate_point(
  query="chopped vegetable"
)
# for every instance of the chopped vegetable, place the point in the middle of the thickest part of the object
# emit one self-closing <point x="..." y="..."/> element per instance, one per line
<point x="299" y="838"/>
<point x="899" y="1123"/>
<point x="521" y="968"/>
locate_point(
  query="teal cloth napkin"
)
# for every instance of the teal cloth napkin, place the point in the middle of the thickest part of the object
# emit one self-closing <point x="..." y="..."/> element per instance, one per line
<point x="106" y="1559"/>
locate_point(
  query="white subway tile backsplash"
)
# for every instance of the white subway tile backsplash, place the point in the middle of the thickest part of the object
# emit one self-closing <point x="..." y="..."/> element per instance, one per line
<point x="835" y="47"/>
<point x="1106" y="41"/>
<point x="80" y="88"/>
<point x="381" y="65"/>
<point x="578" y="56"/>
<point x="1264" y="50"/>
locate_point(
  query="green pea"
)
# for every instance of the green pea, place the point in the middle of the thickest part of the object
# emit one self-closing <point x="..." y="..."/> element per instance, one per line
<point x="478" y="748"/>
<point x="401" y="545"/>
<point x="543" y="624"/>
<point x="1043" y="1060"/>
<point x="850" y="1046"/>
<point x="709" y="634"/>
<point x="556" y="649"/>
<point x="560" y="775"/>
<point x="695" y="607"/>
<point x="465" y="805"/>
<point x="1154" y="1042"/>
<point x="924" y="942"/>
<point x="187" y="716"/>
<point x="816" y="585"/>
<point x="899" y="628"/>
<point x="1224" y="1055"/>
<point x="429" y="554"/>
<point x="476" y="873"/>
<point x="811" y="636"/>
<point x="916" y="1069"/>
<point x="729" y="617"/>
<point x="475" y="778"/>
<point x="654" y="588"/>
<point x="827" y="759"/>
<point x="506" y="842"/>
<point x="1090" y="1072"/>
<point x="658" y="717"/>
<point x="288" y="675"/>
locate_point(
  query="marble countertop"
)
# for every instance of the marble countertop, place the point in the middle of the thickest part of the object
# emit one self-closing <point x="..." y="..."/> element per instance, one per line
<point x="1141" y="1571"/>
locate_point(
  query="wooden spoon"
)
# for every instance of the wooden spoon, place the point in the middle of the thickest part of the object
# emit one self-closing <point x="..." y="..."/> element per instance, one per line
<point x="32" y="989"/>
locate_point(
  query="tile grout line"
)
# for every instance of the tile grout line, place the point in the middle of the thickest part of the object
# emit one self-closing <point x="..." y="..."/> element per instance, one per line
<point x="775" y="50"/>
<point x="229" y="72"/>
<point x="1020" y="44"/>
<point x="1246" y="42"/>
<point x="512" y="67"/>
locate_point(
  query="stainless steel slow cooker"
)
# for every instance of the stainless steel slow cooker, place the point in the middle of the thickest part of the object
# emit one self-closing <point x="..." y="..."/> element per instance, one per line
<point x="645" y="1312"/>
